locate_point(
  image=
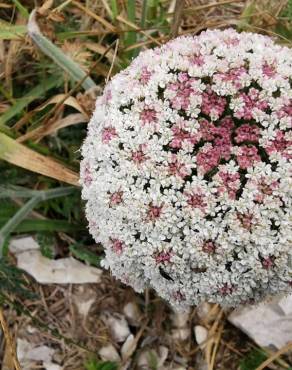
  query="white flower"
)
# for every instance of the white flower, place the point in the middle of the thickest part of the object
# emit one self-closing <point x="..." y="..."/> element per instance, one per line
<point x="187" y="170"/>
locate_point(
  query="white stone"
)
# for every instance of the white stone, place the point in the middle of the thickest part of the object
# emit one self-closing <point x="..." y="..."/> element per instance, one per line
<point x="268" y="324"/>
<point x="132" y="312"/>
<point x="19" y="245"/>
<point x="180" y="334"/>
<point x="61" y="271"/>
<point x="109" y="353"/>
<point x="118" y="326"/>
<point x="128" y="347"/>
<point x="180" y="319"/>
<point x="201" y="335"/>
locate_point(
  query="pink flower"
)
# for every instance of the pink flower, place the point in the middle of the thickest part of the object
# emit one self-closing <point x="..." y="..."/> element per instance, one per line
<point x="247" y="156"/>
<point x="139" y="156"/>
<point x="87" y="175"/>
<point x="226" y="289"/>
<point x="269" y="70"/>
<point x="196" y="200"/>
<point x="116" y="198"/>
<point x="117" y="246"/>
<point x="145" y="76"/>
<point x="177" y="168"/>
<point x="183" y="90"/>
<point x="230" y="182"/>
<point x="197" y="60"/>
<point x="245" y="220"/>
<point x="233" y="75"/>
<point x="280" y="144"/>
<point x="162" y="257"/>
<point x="213" y="103"/>
<point x="207" y="130"/>
<point x="247" y="132"/>
<point x="207" y="158"/>
<point x="268" y="262"/>
<point x="154" y="212"/>
<point x="265" y="188"/>
<point x="209" y="247"/>
<point x="250" y="101"/>
<point x="180" y="135"/>
<point x="148" y="115"/>
<point x="179" y="296"/>
<point x="108" y="133"/>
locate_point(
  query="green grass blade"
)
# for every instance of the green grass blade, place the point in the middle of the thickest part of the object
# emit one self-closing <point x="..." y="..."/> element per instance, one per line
<point x="32" y="225"/>
<point x="35" y="93"/>
<point x="20" y="192"/>
<point x="22" y="10"/>
<point x="85" y="255"/>
<point x="131" y="37"/>
<point x="21" y="214"/>
<point x="57" y="55"/>
<point x="144" y="14"/>
<point x="15" y="220"/>
<point x="114" y="8"/>
<point x="11" y="31"/>
<point x="246" y="15"/>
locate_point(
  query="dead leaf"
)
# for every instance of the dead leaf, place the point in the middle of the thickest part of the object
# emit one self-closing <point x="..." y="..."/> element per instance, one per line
<point x="18" y="154"/>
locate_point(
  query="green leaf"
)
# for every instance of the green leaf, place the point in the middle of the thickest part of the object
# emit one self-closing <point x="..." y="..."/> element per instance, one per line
<point x="253" y="359"/>
<point x="33" y="225"/>
<point x="47" y="244"/>
<point x="57" y="55"/>
<point x="85" y="255"/>
<point x="12" y="282"/>
<point x="246" y="15"/>
<point x="21" y="214"/>
<point x="101" y="365"/>
<point x="114" y="8"/>
<point x="35" y="93"/>
<point x="11" y="31"/>
<point x="131" y="37"/>
<point x="22" y="10"/>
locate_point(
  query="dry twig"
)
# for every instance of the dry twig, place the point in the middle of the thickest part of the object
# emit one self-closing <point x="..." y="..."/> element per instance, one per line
<point x="9" y="340"/>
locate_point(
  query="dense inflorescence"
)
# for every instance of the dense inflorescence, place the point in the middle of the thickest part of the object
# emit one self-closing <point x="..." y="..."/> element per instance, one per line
<point x="187" y="170"/>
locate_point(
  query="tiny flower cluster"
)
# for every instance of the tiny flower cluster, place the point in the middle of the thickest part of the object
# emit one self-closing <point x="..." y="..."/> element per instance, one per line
<point x="186" y="170"/>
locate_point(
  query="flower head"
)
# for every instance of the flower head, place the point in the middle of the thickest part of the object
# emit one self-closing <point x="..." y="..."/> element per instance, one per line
<point x="187" y="169"/>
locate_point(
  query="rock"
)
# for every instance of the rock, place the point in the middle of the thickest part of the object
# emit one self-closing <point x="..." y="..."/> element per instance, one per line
<point x="180" y="334"/>
<point x="47" y="271"/>
<point x="28" y="354"/>
<point x="83" y="298"/>
<point x="109" y="353"/>
<point x="22" y="244"/>
<point x="162" y="355"/>
<point x="147" y="356"/>
<point x="51" y="366"/>
<point x="181" y="329"/>
<point x="132" y="313"/>
<point x="118" y="326"/>
<point x="180" y="319"/>
<point x="28" y="351"/>
<point x="128" y="347"/>
<point x="268" y="324"/>
<point x="61" y="271"/>
<point x="201" y="335"/>
<point x="203" y="311"/>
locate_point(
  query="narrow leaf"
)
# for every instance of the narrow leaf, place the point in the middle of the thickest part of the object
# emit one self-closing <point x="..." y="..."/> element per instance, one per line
<point x="11" y="31"/>
<point x="56" y="54"/>
<point x="18" y="154"/>
<point x="35" y="93"/>
<point x="22" y="10"/>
